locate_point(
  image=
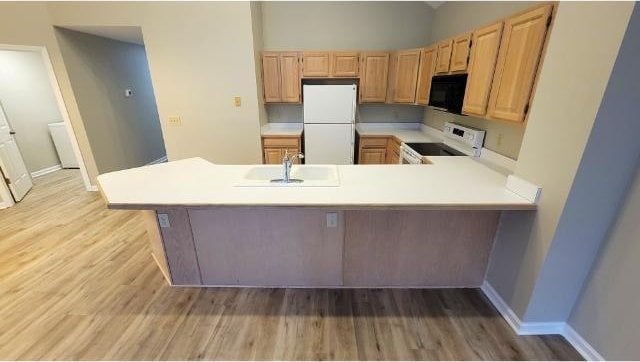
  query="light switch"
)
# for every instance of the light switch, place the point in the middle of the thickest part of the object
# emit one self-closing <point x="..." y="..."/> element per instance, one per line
<point x="237" y="101"/>
<point x="163" y="220"/>
<point x="332" y="219"/>
<point x="174" y="121"/>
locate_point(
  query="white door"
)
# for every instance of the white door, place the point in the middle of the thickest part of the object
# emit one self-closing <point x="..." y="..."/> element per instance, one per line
<point x="11" y="162"/>
<point x="328" y="144"/>
<point x="329" y="103"/>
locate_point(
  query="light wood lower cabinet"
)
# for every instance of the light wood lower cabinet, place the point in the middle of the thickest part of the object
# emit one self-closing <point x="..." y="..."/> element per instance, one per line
<point x="376" y="150"/>
<point x="275" y="147"/>
<point x="393" y="151"/>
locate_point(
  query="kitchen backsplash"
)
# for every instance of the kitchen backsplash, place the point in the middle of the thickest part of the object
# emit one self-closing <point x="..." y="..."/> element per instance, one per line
<point x="501" y="137"/>
<point x="367" y="113"/>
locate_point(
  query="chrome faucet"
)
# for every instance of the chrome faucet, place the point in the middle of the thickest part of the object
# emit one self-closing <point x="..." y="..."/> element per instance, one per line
<point x="287" y="162"/>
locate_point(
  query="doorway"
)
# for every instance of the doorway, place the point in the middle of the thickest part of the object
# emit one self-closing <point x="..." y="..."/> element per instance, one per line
<point x="36" y="137"/>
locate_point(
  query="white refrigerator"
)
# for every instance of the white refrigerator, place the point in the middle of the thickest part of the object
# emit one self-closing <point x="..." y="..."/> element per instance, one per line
<point x="329" y="123"/>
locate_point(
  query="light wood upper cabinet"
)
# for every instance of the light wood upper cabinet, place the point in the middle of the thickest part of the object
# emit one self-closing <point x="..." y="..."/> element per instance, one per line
<point x="344" y="64"/>
<point x="403" y="76"/>
<point x="482" y="63"/>
<point x="374" y="68"/>
<point x="460" y="53"/>
<point x="271" y="77"/>
<point x="290" y="75"/>
<point x="281" y="77"/>
<point x="315" y="64"/>
<point x="444" y="56"/>
<point x="520" y="50"/>
<point x="427" y="68"/>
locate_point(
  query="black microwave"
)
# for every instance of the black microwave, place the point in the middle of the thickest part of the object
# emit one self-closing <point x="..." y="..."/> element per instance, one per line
<point x="447" y="92"/>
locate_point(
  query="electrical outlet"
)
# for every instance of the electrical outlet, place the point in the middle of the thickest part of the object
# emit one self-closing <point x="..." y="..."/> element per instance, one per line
<point x="163" y="220"/>
<point x="332" y="219"/>
<point x="237" y="101"/>
<point x="174" y="121"/>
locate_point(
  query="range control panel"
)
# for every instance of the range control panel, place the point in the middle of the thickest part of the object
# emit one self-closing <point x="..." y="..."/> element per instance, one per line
<point x="466" y="135"/>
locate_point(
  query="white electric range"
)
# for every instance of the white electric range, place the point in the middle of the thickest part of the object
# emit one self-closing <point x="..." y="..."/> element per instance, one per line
<point x="458" y="141"/>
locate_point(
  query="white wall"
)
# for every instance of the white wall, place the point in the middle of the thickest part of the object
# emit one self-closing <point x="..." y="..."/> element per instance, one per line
<point x="456" y="17"/>
<point x="199" y="60"/>
<point x="30" y="104"/>
<point x="569" y="93"/>
<point x="123" y="132"/>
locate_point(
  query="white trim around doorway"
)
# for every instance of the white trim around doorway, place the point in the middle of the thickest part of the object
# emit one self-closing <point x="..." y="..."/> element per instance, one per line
<point x="63" y="111"/>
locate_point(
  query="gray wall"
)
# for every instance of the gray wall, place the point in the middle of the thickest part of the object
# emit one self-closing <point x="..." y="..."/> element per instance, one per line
<point x="123" y="132"/>
<point x="346" y="25"/>
<point x="562" y="115"/>
<point x="606" y="169"/>
<point x="30" y="104"/>
<point x="316" y="25"/>
<point x="368" y="113"/>
<point x="606" y="314"/>
<point x="455" y="17"/>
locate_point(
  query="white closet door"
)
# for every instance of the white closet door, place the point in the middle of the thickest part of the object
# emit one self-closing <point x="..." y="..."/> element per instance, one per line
<point x="11" y="162"/>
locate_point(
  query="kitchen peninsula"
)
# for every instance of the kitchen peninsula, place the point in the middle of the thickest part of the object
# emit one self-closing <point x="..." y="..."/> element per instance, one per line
<point x="382" y="226"/>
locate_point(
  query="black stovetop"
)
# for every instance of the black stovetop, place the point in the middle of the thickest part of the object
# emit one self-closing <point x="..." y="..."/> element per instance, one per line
<point x="434" y="149"/>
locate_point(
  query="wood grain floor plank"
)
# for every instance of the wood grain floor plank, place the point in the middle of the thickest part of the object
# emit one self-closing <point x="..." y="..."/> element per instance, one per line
<point x="77" y="281"/>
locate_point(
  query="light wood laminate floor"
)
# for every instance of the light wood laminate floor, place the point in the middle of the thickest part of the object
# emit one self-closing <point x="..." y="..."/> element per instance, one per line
<point x="77" y="281"/>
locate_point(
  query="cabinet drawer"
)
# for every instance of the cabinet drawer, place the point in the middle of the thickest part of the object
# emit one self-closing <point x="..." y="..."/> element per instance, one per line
<point x="373" y="142"/>
<point x="280" y="142"/>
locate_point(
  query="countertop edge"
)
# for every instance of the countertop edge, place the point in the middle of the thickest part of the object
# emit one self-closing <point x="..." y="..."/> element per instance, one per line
<point x="417" y="207"/>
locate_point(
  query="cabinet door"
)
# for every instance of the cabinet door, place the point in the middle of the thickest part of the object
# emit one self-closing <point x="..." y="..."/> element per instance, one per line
<point x="290" y="77"/>
<point x="372" y="156"/>
<point x="373" y="77"/>
<point x="315" y="64"/>
<point x="520" y="49"/>
<point x="460" y="53"/>
<point x="273" y="156"/>
<point x="344" y="64"/>
<point x="405" y="76"/>
<point x="427" y="68"/>
<point x="484" y="52"/>
<point x="444" y="56"/>
<point x="271" y="77"/>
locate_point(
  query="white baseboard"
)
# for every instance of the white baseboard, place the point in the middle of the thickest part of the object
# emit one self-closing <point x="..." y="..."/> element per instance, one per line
<point x="160" y="160"/>
<point x="45" y="171"/>
<point x="583" y="347"/>
<point x="538" y="328"/>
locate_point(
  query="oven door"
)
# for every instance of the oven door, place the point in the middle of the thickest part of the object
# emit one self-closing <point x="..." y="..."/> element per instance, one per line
<point x="407" y="158"/>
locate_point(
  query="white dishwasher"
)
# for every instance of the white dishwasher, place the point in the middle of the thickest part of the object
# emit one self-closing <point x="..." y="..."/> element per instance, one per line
<point x="62" y="142"/>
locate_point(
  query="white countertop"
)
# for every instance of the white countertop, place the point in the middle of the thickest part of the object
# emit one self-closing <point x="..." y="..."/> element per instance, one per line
<point x="448" y="183"/>
<point x="405" y="132"/>
<point x="281" y="129"/>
